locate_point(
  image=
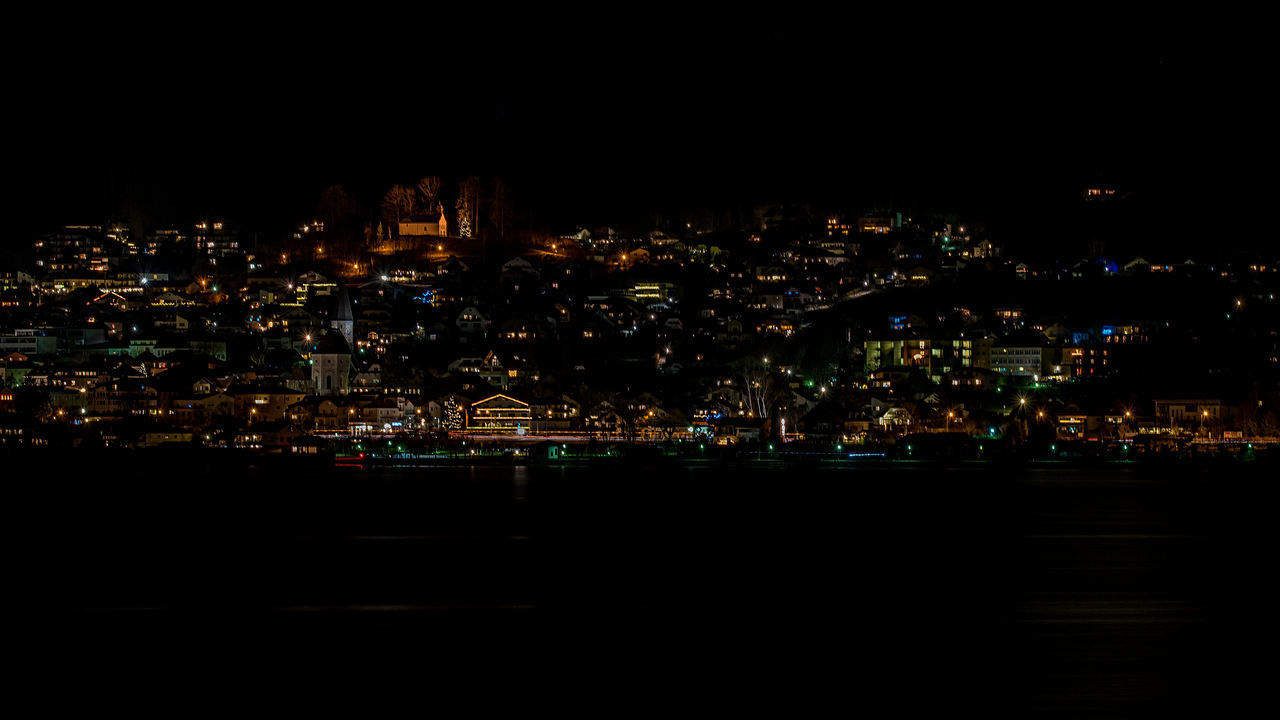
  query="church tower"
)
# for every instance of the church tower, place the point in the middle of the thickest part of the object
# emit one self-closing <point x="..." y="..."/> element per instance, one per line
<point x="331" y="364"/>
<point x="341" y="318"/>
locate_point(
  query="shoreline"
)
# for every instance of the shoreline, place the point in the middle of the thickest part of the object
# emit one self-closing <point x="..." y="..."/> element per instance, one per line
<point x="366" y="461"/>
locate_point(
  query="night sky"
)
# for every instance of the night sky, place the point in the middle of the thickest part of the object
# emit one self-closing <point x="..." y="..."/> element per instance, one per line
<point x="611" y="121"/>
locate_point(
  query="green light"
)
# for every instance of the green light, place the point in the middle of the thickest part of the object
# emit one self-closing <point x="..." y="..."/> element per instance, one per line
<point x="839" y="448"/>
<point x="770" y="447"/>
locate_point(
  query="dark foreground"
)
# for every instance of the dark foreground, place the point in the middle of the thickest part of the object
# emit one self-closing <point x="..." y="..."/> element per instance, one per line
<point x="1031" y="592"/>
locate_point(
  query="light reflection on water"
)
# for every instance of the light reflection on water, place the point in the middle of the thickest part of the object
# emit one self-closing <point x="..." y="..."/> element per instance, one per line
<point x="1118" y="588"/>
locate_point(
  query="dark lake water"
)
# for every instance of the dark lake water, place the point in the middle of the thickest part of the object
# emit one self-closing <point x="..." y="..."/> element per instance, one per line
<point x="1115" y="591"/>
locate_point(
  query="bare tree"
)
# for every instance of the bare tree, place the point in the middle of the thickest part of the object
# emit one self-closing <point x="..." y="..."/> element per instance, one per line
<point x="399" y="203"/>
<point x="672" y="422"/>
<point x="429" y="188"/>
<point x="628" y="415"/>
<point x="761" y="387"/>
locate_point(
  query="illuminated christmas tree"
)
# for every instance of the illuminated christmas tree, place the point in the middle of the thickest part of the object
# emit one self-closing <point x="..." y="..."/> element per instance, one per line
<point x="468" y="205"/>
<point x="452" y="419"/>
<point x="464" y="216"/>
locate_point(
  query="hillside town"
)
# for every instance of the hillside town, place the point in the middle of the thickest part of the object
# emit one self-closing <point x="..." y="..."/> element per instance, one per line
<point x="441" y="322"/>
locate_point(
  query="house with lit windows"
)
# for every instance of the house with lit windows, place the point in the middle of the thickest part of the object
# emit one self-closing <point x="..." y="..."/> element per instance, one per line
<point x="500" y="414"/>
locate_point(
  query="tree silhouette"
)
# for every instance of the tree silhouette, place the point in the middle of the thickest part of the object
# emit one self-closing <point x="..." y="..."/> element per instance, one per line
<point x="429" y="189"/>
<point x="467" y="205"/>
<point x="671" y="423"/>
<point x="343" y="228"/>
<point x="499" y="203"/>
<point x="761" y="386"/>
<point x="398" y="204"/>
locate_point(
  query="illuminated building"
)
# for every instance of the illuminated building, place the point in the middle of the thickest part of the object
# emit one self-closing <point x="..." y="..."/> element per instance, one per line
<point x="82" y="248"/>
<point x="776" y="326"/>
<point x="28" y="341"/>
<point x="499" y="414"/>
<point x="260" y="404"/>
<point x="879" y="224"/>
<point x="1188" y="411"/>
<point x="1009" y="315"/>
<point x="653" y="292"/>
<point x="936" y="357"/>
<point x="556" y="414"/>
<point x="1119" y="334"/>
<point x="331" y="364"/>
<point x="1022" y="361"/>
<point x="165" y="240"/>
<point x="417" y="233"/>
<point x="217" y="238"/>
<point x="1087" y="360"/>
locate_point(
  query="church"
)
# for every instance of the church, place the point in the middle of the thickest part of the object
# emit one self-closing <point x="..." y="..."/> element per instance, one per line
<point x="331" y="354"/>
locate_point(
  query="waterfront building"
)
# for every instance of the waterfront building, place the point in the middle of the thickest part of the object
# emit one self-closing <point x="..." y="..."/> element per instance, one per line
<point x="500" y="414"/>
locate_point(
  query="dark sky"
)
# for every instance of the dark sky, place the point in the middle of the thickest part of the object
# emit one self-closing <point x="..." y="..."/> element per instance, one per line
<point x="1002" y="118"/>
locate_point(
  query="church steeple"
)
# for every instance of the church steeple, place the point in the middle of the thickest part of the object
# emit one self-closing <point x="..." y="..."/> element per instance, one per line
<point x="342" y="319"/>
